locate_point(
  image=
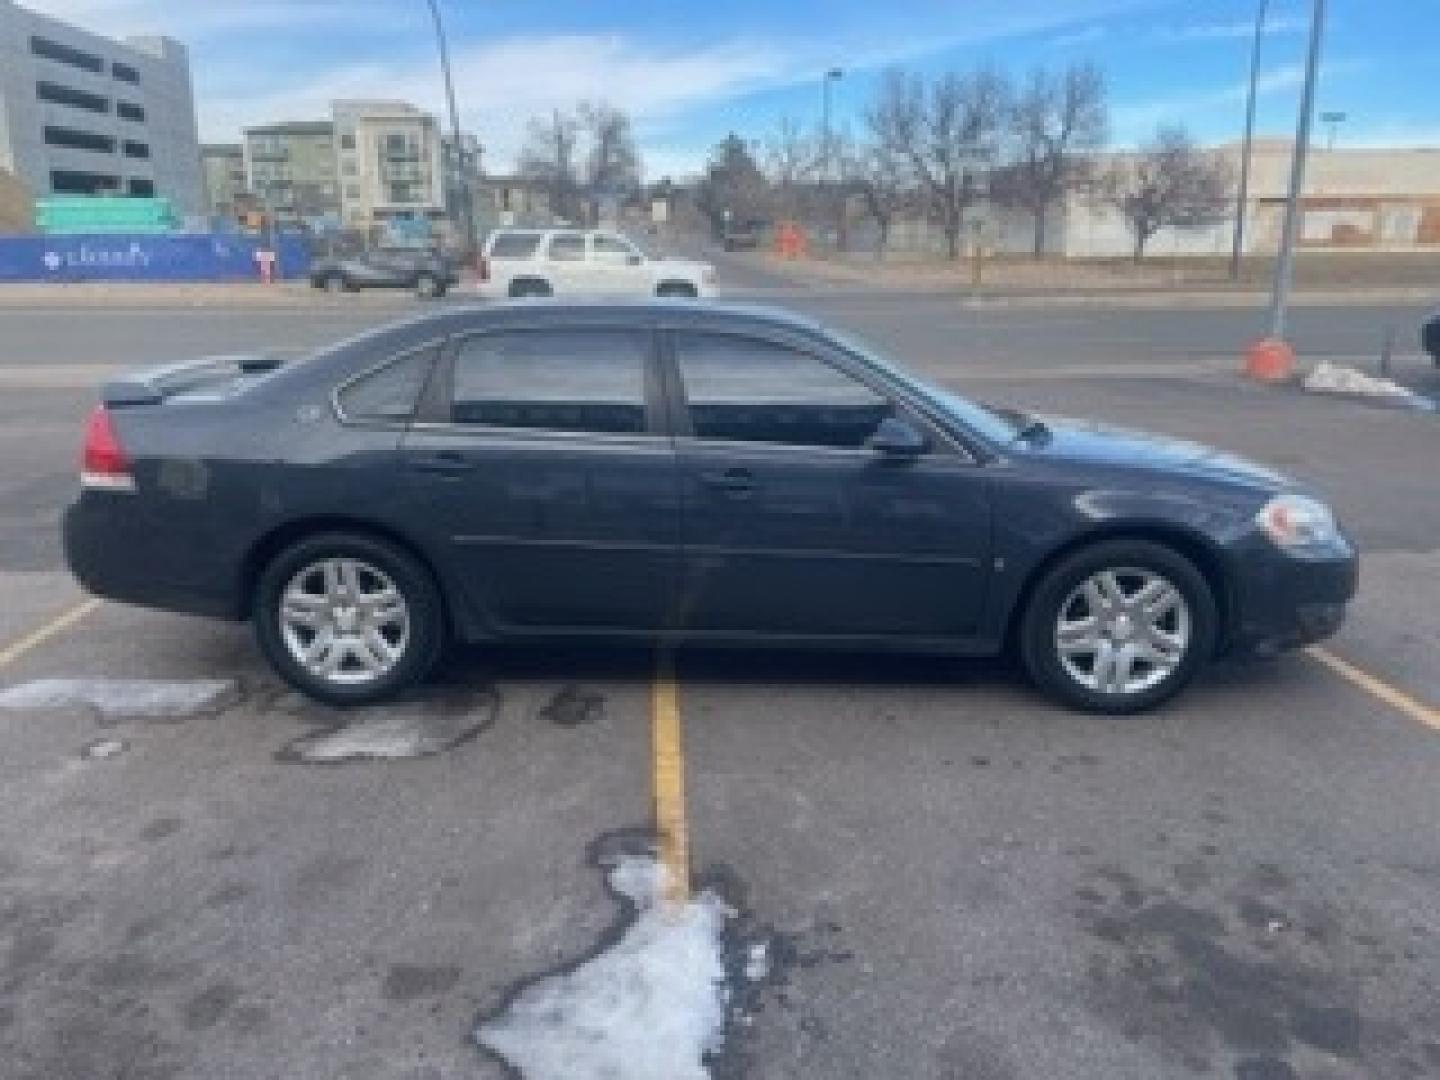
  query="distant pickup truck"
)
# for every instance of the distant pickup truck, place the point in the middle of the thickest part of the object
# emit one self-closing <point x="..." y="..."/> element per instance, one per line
<point x="424" y="270"/>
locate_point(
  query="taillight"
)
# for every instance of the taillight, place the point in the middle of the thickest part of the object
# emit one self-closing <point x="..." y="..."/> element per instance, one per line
<point x="103" y="463"/>
<point x="482" y="267"/>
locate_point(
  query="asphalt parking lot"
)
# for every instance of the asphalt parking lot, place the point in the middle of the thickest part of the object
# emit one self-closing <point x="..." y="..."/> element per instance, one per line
<point x="948" y="876"/>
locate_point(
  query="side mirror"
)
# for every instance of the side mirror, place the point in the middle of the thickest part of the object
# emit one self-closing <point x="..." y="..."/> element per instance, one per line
<point x="896" y="439"/>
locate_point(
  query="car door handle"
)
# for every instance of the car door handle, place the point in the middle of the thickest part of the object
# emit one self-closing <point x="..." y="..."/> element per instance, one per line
<point x="736" y="481"/>
<point x="441" y="463"/>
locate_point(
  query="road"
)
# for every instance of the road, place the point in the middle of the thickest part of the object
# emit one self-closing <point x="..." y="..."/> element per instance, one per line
<point x="955" y="879"/>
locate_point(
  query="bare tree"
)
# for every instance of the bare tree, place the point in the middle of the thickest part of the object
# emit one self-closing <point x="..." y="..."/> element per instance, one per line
<point x="613" y="162"/>
<point x="791" y="161"/>
<point x="1169" y="183"/>
<point x="882" y="179"/>
<point x="948" y="131"/>
<point x="548" y="158"/>
<point x="733" y="187"/>
<point x="1055" y="123"/>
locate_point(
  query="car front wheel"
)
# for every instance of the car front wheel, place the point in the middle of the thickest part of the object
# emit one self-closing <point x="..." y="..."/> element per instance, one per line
<point x="1118" y="627"/>
<point x="349" y="619"/>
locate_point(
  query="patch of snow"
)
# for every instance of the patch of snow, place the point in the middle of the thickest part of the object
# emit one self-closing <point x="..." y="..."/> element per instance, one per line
<point x="121" y="698"/>
<point x="757" y="961"/>
<point x="381" y="737"/>
<point x="104" y="749"/>
<point x="648" y="1008"/>
<point x="1337" y="379"/>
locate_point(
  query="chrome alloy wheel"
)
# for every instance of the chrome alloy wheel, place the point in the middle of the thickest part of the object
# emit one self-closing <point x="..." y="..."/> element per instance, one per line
<point x="1123" y="631"/>
<point x="344" y="621"/>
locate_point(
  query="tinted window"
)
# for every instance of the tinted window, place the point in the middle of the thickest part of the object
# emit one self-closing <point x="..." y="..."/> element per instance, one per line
<point x="612" y="249"/>
<point x="54" y="50"/>
<point x="389" y="393"/>
<point x="78" y="140"/>
<point x="136" y="149"/>
<point x="124" y="72"/>
<point x="514" y="245"/>
<point x="556" y="380"/>
<point x="749" y="390"/>
<point x="567" y="247"/>
<point x="141" y="187"/>
<point x="68" y="95"/>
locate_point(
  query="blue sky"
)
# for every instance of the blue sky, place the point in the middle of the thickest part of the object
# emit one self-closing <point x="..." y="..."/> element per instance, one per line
<point x="690" y="72"/>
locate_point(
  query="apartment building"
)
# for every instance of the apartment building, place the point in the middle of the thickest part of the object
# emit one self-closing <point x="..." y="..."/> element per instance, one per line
<point x="82" y="114"/>
<point x="226" y="188"/>
<point x="391" y="160"/>
<point x="290" y="169"/>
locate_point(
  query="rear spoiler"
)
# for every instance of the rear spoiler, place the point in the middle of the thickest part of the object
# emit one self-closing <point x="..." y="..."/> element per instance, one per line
<point x="153" y="385"/>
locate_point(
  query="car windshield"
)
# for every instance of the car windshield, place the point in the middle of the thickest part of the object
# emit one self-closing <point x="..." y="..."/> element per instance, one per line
<point x="992" y="424"/>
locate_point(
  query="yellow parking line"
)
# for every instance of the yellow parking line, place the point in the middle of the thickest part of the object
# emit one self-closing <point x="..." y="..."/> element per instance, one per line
<point x="1393" y="696"/>
<point x="668" y="777"/>
<point x="15" y="650"/>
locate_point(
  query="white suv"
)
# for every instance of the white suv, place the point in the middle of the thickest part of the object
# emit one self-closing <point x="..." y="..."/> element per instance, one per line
<point x="549" y="262"/>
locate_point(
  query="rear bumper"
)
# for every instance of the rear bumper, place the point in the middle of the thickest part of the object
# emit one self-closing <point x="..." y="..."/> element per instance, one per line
<point x="119" y="554"/>
<point x="1284" y="602"/>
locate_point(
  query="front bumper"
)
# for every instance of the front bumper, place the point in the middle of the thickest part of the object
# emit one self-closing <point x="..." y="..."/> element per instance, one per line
<point x="1281" y="601"/>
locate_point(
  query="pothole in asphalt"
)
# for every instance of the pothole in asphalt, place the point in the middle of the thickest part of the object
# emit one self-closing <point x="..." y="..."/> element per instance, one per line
<point x="114" y="700"/>
<point x="665" y="994"/>
<point x="430" y="721"/>
<point x="573" y="706"/>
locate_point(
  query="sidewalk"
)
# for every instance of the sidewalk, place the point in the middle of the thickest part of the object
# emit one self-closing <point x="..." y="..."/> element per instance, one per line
<point x="179" y="294"/>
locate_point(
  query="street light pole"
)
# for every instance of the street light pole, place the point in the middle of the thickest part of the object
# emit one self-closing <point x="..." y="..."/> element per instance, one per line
<point x="1242" y="201"/>
<point x="1285" y="264"/>
<point x="467" y="206"/>
<point x="827" y="141"/>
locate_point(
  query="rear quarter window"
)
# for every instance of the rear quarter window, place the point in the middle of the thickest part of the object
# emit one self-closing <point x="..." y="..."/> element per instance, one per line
<point x="514" y="245"/>
<point x="389" y="393"/>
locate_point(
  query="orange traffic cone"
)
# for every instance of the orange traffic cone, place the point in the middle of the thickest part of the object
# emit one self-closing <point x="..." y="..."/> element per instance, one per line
<point x="1270" y="360"/>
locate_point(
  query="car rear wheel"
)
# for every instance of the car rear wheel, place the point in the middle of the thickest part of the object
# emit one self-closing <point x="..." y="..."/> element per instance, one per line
<point x="529" y="287"/>
<point x="676" y="288"/>
<point x="1118" y="627"/>
<point x="428" y="287"/>
<point x="349" y="619"/>
<point x="335" y="283"/>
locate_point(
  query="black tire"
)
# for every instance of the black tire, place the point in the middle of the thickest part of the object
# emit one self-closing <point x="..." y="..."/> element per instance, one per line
<point x="428" y="287"/>
<point x="336" y="283"/>
<point x="676" y="288"/>
<point x="1040" y="651"/>
<point x="530" y="287"/>
<point x="412" y="579"/>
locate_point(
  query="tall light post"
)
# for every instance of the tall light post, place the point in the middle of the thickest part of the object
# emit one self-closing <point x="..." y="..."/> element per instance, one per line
<point x="1273" y="359"/>
<point x="467" y="205"/>
<point x="827" y="141"/>
<point x="1242" y="200"/>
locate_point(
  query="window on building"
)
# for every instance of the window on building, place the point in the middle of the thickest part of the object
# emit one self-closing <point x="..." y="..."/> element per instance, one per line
<point x="127" y="111"/>
<point x="347" y="168"/>
<point x="136" y="149"/>
<point x="78" y="140"/>
<point x="72" y="182"/>
<point x="141" y="188"/>
<point x="68" y="95"/>
<point x="124" y="72"/>
<point x="347" y="140"/>
<point x="64" y="54"/>
<point x="553" y="380"/>
<point x="352" y="191"/>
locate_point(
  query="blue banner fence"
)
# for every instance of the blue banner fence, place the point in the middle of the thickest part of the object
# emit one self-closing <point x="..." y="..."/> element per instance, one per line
<point x="140" y="257"/>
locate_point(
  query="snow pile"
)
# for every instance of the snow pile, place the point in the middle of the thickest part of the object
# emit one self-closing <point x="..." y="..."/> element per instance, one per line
<point x="121" y="698"/>
<point x="1336" y="379"/>
<point x="380" y="737"/>
<point x="648" y="1008"/>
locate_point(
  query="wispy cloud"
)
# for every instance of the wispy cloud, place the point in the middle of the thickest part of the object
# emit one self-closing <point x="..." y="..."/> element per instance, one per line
<point x="1085" y="35"/>
<point x="1275" y="26"/>
<point x="207" y="18"/>
<point x="1137" y="119"/>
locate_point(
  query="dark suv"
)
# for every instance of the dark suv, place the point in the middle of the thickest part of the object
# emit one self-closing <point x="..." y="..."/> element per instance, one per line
<point x="427" y="271"/>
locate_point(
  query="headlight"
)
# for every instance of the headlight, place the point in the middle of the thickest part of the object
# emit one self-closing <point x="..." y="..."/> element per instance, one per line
<point x="1295" y="522"/>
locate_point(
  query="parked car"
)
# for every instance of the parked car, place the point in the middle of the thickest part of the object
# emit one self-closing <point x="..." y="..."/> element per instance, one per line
<point x="681" y="472"/>
<point x="1430" y="337"/>
<point x="557" y="262"/>
<point x="427" y="271"/>
<point x="742" y="236"/>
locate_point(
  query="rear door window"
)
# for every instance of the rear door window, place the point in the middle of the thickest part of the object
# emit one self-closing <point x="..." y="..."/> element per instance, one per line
<point x="389" y="393"/>
<point x="567" y="247"/>
<point x="571" y="380"/>
<point x="514" y="245"/>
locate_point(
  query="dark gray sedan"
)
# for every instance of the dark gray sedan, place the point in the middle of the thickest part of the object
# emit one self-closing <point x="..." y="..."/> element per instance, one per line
<point x="428" y="272"/>
<point x="680" y="472"/>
